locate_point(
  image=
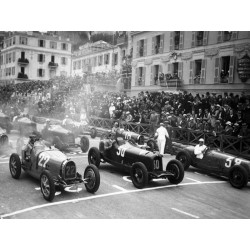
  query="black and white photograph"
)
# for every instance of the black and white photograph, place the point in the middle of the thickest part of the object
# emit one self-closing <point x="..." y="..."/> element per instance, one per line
<point x="111" y="120"/>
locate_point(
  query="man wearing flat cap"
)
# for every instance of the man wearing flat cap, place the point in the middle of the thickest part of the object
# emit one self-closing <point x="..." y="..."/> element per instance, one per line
<point x="161" y="134"/>
<point x="200" y="149"/>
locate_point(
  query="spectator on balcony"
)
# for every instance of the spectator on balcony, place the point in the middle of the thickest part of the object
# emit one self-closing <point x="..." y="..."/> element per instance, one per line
<point x="156" y="79"/>
<point x="161" y="77"/>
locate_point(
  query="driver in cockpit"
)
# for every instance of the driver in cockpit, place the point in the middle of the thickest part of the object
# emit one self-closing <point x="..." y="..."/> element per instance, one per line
<point x="200" y="149"/>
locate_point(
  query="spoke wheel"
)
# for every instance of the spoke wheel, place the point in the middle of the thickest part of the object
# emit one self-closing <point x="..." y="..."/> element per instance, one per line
<point x="139" y="175"/>
<point x="92" y="177"/>
<point x="238" y="176"/>
<point x="184" y="158"/>
<point x="94" y="157"/>
<point x="47" y="186"/>
<point x="176" y="168"/>
<point x="15" y="166"/>
<point x="84" y="144"/>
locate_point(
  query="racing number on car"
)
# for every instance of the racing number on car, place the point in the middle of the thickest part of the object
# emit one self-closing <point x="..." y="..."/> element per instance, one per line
<point x="127" y="136"/>
<point x="121" y="151"/>
<point x="43" y="160"/>
<point x="157" y="164"/>
<point x="229" y="161"/>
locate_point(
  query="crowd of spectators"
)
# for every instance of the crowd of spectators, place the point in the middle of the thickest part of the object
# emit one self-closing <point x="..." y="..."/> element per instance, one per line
<point x="228" y="113"/>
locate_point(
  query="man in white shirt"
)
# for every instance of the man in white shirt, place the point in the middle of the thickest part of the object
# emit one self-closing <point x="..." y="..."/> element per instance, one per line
<point x="161" y="134"/>
<point x="200" y="149"/>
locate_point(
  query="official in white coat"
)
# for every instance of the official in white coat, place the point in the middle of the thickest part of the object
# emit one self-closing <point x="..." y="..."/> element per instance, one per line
<point x="161" y="134"/>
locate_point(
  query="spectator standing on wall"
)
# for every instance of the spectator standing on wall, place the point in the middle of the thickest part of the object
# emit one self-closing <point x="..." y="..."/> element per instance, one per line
<point x="161" y="134"/>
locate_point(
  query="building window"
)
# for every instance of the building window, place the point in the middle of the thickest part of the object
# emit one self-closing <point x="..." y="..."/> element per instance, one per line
<point x="63" y="60"/>
<point x="106" y="59"/>
<point x="22" y="70"/>
<point x="14" y="40"/>
<point x="52" y="59"/>
<point x="23" y="40"/>
<point x="199" y="38"/>
<point x="116" y="59"/>
<point x="41" y="58"/>
<point x="100" y="60"/>
<point x="140" y="76"/>
<point x="225" y="64"/>
<point x="176" y="39"/>
<point x="53" y="45"/>
<point x="22" y="55"/>
<point x="1" y="60"/>
<point x="141" y="47"/>
<point x="175" y="70"/>
<point x="227" y="36"/>
<point x="156" y="74"/>
<point x="197" y="71"/>
<point x="41" y="72"/>
<point x="41" y="43"/>
<point x="64" y="46"/>
<point x="157" y="44"/>
<point x="13" y="71"/>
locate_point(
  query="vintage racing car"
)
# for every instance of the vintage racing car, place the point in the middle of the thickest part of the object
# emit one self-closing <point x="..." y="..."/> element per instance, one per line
<point x="215" y="161"/>
<point x="79" y="128"/>
<point x="5" y="122"/>
<point x="53" y="168"/>
<point x="64" y="139"/>
<point x="143" y="164"/>
<point x="24" y="125"/>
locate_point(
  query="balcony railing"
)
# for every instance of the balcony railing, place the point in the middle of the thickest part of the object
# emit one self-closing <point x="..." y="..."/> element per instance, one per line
<point x="22" y="76"/>
<point x="23" y="61"/>
<point x="53" y="65"/>
<point x="172" y="83"/>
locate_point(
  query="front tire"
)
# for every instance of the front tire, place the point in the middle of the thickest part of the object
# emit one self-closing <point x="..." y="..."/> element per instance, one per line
<point x="139" y="175"/>
<point x="47" y="186"/>
<point x="15" y="166"/>
<point x="92" y="175"/>
<point x="93" y="133"/>
<point x="84" y="144"/>
<point x="94" y="157"/>
<point x="238" y="176"/>
<point x="176" y="168"/>
<point x="184" y="158"/>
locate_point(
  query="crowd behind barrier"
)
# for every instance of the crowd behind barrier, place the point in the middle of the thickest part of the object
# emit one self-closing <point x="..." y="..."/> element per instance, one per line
<point x="227" y="114"/>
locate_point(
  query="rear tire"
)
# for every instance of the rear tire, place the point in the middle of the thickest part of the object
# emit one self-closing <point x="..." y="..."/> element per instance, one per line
<point x="238" y="176"/>
<point x="176" y="168"/>
<point x="184" y="158"/>
<point x="47" y="186"/>
<point x="84" y="142"/>
<point x="139" y="175"/>
<point x="93" y="133"/>
<point x="94" y="157"/>
<point x="92" y="174"/>
<point x="15" y="166"/>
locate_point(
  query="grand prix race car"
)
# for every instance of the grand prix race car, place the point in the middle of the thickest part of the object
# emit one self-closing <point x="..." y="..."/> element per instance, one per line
<point x="63" y="139"/>
<point x="24" y="125"/>
<point x="79" y="128"/>
<point x="53" y="168"/>
<point x="214" y="161"/>
<point x="143" y="165"/>
<point x="5" y="122"/>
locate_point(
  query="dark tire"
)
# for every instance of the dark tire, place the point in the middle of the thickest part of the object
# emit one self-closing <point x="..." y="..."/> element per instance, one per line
<point x="152" y="145"/>
<point x="184" y="158"/>
<point x="94" y="157"/>
<point x="84" y="142"/>
<point x="15" y="166"/>
<point x="57" y="142"/>
<point x="47" y="186"/>
<point x="93" y="133"/>
<point x="238" y="176"/>
<point x="139" y="175"/>
<point x="175" y="167"/>
<point x="92" y="175"/>
<point x="19" y="145"/>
